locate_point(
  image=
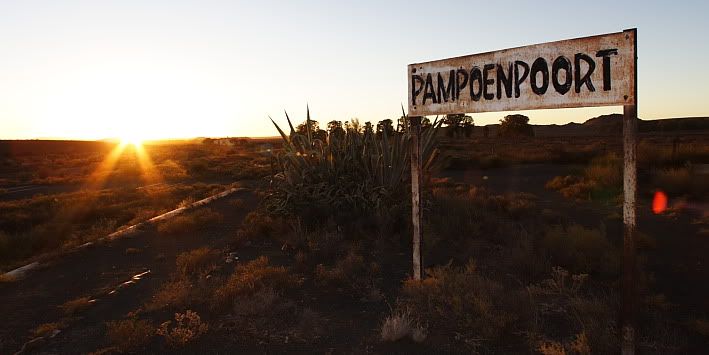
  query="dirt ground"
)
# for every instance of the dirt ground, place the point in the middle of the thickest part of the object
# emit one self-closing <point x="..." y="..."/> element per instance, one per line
<point x="101" y="271"/>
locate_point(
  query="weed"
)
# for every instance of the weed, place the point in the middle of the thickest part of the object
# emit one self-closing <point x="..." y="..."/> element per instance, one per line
<point x="251" y="277"/>
<point x="580" y="249"/>
<point x="187" y="328"/>
<point x="198" y="262"/>
<point x="399" y="325"/>
<point x="130" y="334"/>
<point x="350" y="272"/>
<point x="172" y="294"/>
<point x="459" y="300"/>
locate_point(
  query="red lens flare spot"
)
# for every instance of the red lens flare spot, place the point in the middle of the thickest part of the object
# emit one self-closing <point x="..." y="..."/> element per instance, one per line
<point x="659" y="202"/>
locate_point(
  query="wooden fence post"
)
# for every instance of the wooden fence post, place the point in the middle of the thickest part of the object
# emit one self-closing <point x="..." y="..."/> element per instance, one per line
<point x="416" y="195"/>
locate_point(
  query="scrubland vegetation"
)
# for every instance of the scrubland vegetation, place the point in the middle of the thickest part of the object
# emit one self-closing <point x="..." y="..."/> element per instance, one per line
<point x="322" y="264"/>
<point x="93" y="200"/>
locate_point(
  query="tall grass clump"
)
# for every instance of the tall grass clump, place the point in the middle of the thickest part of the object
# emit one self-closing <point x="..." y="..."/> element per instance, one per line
<point x="356" y="170"/>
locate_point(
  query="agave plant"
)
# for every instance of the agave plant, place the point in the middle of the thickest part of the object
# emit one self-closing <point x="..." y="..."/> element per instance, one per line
<point x="358" y="169"/>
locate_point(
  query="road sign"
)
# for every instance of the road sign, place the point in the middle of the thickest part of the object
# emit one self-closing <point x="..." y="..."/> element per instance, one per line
<point x="590" y="71"/>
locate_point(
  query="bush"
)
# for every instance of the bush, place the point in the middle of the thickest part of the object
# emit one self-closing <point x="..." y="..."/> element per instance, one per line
<point x="198" y="262"/>
<point x="172" y="294"/>
<point x="187" y="328"/>
<point x="251" y="277"/>
<point x="400" y="325"/>
<point x="130" y="334"/>
<point x="354" y="171"/>
<point x="581" y="250"/>
<point x="350" y="272"/>
<point x="459" y="300"/>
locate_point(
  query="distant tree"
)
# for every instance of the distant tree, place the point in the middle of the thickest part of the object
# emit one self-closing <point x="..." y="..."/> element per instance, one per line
<point x="402" y="124"/>
<point x="456" y="124"/>
<point x="303" y="127"/>
<point x="425" y="123"/>
<point x="208" y="141"/>
<point x="385" y="126"/>
<point x="468" y="125"/>
<point x="315" y="131"/>
<point x="515" y="126"/>
<point x="368" y="128"/>
<point x="334" y="129"/>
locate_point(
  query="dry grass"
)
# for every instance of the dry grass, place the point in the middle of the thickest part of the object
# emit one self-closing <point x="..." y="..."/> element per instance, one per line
<point x="47" y="329"/>
<point x="130" y="335"/>
<point x="399" y="326"/>
<point x="197" y="263"/>
<point x="189" y="221"/>
<point x="77" y="305"/>
<point x="250" y="278"/>
<point x="188" y="327"/>
<point x="351" y="273"/>
<point x="455" y="299"/>
<point x="172" y="294"/>
<point x="580" y="249"/>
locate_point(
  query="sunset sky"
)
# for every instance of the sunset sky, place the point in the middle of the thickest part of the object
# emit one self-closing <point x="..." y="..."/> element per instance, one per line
<point x="172" y="69"/>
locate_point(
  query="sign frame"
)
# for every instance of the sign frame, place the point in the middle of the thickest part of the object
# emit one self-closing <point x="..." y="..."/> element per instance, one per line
<point x="629" y="303"/>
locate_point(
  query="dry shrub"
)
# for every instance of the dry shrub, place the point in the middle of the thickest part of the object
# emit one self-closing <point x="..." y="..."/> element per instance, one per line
<point x="459" y="300"/>
<point x="602" y="178"/>
<point x="350" y="272"/>
<point x="577" y="322"/>
<point x="173" y="294"/>
<point x="189" y="221"/>
<point x="251" y="277"/>
<point x="577" y="346"/>
<point x="580" y="249"/>
<point x="399" y="325"/>
<point x="187" y="328"/>
<point x="573" y="187"/>
<point x="197" y="263"/>
<point x="259" y="225"/>
<point x="47" y="329"/>
<point x="130" y="334"/>
<point x="77" y="305"/>
<point x="606" y="170"/>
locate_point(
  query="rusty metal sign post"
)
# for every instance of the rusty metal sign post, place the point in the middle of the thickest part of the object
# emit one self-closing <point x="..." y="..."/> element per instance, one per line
<point x="584" y="72"/>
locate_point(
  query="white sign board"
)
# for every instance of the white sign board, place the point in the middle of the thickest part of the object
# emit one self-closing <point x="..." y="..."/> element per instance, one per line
<point x="591" y="71"/>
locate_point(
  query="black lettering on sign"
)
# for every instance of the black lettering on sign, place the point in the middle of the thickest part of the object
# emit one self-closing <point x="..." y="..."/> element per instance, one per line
<point x="487" y="82"/>
<point x="561" y="63"/>
<point x="586" y="77"/>
<point x="519" y="79"/>
<point x="445" y="92"/>
<point x="460" y="83"/>
<point x="476" y="76"/>
<point x="606" y="54"/>
<point x="506" y="80"/>
<point x="539" y="66"/>
<point x="414" y="90"/>
<point x="429" y="92"/>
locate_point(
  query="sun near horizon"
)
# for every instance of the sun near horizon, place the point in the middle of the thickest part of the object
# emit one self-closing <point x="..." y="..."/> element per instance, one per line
<point x="129" y="69"/>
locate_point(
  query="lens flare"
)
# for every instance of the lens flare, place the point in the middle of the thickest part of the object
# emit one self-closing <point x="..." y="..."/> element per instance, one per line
<point x="659" y="202"/>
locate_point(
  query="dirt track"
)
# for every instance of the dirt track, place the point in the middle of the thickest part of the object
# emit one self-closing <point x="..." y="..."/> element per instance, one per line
<point x="97" y="270"/>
